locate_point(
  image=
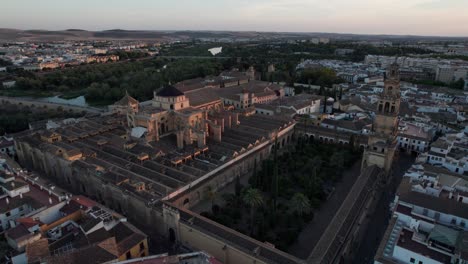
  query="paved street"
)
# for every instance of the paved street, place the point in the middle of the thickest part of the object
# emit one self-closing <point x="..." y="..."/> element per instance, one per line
<point x="311" y="233"/>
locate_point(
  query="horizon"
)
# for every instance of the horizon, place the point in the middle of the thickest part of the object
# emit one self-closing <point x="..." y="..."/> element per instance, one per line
<point x="236" y="31"/>
<point x="436" y="18"/>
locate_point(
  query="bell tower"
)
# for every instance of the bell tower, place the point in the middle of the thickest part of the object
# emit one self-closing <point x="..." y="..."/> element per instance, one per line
<point x="382" y="140"/>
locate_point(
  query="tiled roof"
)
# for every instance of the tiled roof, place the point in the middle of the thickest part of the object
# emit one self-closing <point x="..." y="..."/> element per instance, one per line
<point x="91" y="255"/>
<point x="126" y="100"/>
<point x="28" y="222"/>
<point x="37" y="250"/>
<point x="126" y="236"/>
<point x="18" y="232"/>
<point x="443" y="205"/>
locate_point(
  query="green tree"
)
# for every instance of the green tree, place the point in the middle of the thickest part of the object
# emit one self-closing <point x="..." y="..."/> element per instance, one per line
<point x="460" y="84"/>
<point x="300" y="204"/>
<point x="211" y="194"/>
<point x="337" y="161"/>
<point x="238" y="186"/>
<point x="254" y="199"/>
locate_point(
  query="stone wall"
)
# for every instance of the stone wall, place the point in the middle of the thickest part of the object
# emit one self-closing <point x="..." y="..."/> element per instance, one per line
<point x="81" y="179"/>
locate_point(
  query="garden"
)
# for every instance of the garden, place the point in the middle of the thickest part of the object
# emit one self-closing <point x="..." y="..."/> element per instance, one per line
<point x="283" y="192"/>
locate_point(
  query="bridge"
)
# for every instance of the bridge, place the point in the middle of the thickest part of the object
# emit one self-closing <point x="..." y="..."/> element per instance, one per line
<point x="30" y="102"/>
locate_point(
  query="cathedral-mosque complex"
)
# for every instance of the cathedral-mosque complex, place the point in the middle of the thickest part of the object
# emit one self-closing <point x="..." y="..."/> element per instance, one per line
<point x="153" y="160"/>
<point x="150" y="159"/>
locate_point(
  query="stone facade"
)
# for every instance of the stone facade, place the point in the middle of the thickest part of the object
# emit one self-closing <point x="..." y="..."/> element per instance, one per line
<point x="382" y="140"/>
<point x="95" y="159"/>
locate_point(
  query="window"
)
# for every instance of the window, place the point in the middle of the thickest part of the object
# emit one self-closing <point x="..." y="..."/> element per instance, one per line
<point x="128" y="255"/>
<point x="142" y="246"/>
<point x="412" y="260"/>
<point x="8" y="214"/>
<point x="420" y="262"/>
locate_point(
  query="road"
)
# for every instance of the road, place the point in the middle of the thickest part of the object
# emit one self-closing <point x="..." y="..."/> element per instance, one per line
<point x="193" y="57"/>
<point x="379" y="220"/>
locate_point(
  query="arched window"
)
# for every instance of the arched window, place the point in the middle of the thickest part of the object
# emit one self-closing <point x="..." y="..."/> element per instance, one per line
<point x="387" y="107"/>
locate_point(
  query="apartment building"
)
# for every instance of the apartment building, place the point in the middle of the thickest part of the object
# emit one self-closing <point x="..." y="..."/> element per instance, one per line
<point x="429" y="223"/>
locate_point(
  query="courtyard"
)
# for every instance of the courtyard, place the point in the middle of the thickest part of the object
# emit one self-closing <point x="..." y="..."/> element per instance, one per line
<point x="288" y="199"/>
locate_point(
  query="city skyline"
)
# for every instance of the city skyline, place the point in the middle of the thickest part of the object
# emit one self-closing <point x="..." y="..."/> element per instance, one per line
<point x="411" y="17"/>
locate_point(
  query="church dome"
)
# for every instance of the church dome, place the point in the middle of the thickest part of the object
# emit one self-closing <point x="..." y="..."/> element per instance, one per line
<point x="169" y="91"/>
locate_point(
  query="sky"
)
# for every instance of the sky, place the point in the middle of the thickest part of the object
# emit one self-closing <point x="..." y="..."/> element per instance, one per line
<point x="414" y="17"/>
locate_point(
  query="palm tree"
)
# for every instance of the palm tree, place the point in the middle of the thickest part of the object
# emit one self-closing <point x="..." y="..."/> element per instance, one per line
<point x="253" y="198"/>
<point x="300" y="204"/>
<point x="337" y="161"/>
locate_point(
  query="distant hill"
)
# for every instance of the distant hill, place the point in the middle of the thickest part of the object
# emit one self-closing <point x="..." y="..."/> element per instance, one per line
<point x="121" y="34"/>
<point x="74" y="29"/>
